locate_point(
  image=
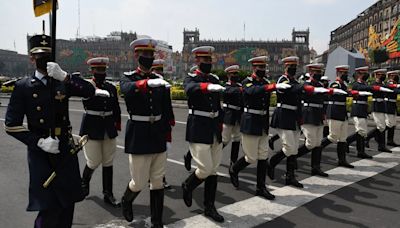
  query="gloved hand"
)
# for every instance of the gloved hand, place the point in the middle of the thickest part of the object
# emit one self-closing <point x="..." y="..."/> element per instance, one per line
<point x="157" y="83"/>
<point x="386" y="90"/>
<point x="321" y="90"/>
<point x="215" y="88"/>
<point x="364" y="93"/>
<point x="339" y="91"/>
<point x="283" y="86"/>
<point x="55" y="71"/>
<point x="49" y="145"/>
<point x="101" y="93"/>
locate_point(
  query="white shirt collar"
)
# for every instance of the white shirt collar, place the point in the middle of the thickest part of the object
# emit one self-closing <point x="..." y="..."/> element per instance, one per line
<point x="39" y="75"/>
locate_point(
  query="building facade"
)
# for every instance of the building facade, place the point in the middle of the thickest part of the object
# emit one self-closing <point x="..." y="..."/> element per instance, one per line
<point x="13" y="64"/>
<point x="229" y="52"/>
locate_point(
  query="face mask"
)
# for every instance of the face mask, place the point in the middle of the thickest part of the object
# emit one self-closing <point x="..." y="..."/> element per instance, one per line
<point x="100" y="77"/>
<point x="205" y="67"/>
<point x="326" y="84"/>
<point x="260" y="73"/>
<point x="317" y="77"/>
<point x="396" y="79"/>
<point x="41" y="63"/>
<point x="292" y="71"/>
<point x="365" y="77"/>
<point x="383" y="78"/>
<point x="146" y="62"/>
<point x="345" y="77"/>
<point x="235" y="78"/>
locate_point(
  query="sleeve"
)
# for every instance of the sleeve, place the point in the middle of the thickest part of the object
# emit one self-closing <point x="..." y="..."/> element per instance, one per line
<point x="169" y="112"/>
<point x="361" y="87"/>
<point x="77" y="86"/>
<point x="116" y="109"/>
<point x="251" y="89"/>
<point x="15" y="116"/>
<point x="192" y="87"/>
<point x="129" y="86"/>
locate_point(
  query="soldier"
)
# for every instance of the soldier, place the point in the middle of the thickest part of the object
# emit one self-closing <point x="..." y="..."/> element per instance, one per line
<point x="101" y="122"/>
<point x="378" y="112"/>
<point x="337" y="115"/>
<point x="255" y="125"/>
<point x="31" y="98"/>
<point x="312" y="119"/>
<point x="148" y="104"/>
<point x="203" y="130"/>
<point x="287" y="118"/>
<point x="158" y="68"/>
<point x="359" y="109"/>
<point x="391" y="106"/>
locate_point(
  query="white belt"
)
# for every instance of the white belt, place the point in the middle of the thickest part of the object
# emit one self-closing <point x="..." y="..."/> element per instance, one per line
<point x="360" y="102"/>
<point x="255" y="111"/>
<point x="211" y="115"/>
<point x="99" y="113"/>
<point x="313" y="105"/>
<point x="231" y="106"/>
<point x="337" y="103"/>
<point x="390" y="100"/>
<point x="150" y="119"/>
<point x="378" y="99"/>
<point x="286" y="106"/>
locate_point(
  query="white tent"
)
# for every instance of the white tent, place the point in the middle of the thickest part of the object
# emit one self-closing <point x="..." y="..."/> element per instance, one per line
<point x="341" y="56"/>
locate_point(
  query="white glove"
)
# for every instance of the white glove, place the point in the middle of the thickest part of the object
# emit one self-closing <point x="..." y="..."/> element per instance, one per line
<point x="157" y="83"/>
<point x="49" y="145"/>
<point x="55" y="71"/>
<point x="364" y="93"/>
<point x="339" y="91"/>
<point x="386" y="90"/>
<point x="283" y="86"/>
<point x="101" y="93"/>
<point x="320" y="90"/>
<point x="215" y="88"/>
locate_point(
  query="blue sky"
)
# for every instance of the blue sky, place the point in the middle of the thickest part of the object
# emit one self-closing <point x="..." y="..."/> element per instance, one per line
<point x="166" y="19"/>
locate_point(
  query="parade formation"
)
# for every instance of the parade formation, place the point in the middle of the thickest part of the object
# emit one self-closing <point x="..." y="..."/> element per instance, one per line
<point x="234" y="112"/>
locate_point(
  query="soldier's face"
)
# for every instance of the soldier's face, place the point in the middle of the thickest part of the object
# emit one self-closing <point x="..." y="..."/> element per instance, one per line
<point x="99" y="70"/>
<point x="41" y="60"/>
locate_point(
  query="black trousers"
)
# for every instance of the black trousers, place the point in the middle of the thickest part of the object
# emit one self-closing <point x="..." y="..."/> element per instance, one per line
<point x="55" y="218"/>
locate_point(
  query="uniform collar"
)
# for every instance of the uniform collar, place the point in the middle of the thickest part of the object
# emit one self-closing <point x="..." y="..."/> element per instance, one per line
<point x="39" y="75"/>
<point x="142" y="73"/>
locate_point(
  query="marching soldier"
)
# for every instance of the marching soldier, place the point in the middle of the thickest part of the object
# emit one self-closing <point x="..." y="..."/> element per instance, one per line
<point x="148" y="104"/>
<point x="359" y="109"/>
<point x="30" y="98"/>
<point x="337" y="115"/>
<point x="233" y="105"/>
<point x="203" y="130"/>
<point x="287" y="119"/>
<point x="391" y="106"/>
<point x="255" y="125"/>
<point x="313" y="116"/>
<point x="101" y="122"/>
<point x="158" y="68"/>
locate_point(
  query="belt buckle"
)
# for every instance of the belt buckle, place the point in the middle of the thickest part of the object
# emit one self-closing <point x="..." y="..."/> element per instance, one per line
<point x="57" y="131"/>
<point x="152" y="119"/>
<point x="212" y="114"/>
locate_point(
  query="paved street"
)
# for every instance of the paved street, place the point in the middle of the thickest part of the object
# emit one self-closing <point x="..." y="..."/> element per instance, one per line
<point x="368" y="196"/>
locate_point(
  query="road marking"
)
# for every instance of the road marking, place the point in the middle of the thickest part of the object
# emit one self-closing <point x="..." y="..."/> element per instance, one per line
<point x="255" y="210"/>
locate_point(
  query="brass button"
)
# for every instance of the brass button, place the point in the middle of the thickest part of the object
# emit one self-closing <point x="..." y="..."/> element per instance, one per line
<point x="38" y="108"/>
<point x="34" y="95"/>
<point x="64" y="118"/>
<point x="41" y="121"/>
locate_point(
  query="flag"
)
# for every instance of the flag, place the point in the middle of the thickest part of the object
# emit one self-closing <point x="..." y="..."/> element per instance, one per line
<point x="41" y="7"/>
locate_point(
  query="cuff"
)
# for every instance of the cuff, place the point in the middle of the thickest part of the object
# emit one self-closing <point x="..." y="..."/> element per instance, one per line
<point x="376" y="88"/>
<point x="392" y="86"/>
<point x="270" y="87"/>
<point x="354" y="92"/>
<point x="330" y="92"/>
<point x="142" y="85"/>
<point x="309" y="89"/>
<point x="203" y="87"/>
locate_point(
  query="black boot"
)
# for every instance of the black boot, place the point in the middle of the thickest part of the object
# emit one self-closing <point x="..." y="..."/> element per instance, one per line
<point x="261" y="174"/>
<point x="188" y="160"/>
<point x="326" y="131"/>
<point x="316" y="155"/>
<point x="235" y="151"/>
<point x="107" y="187"/>
<point x="235" y="169"/>
<point x="361" y="147"/>
<point x="352" y="138"/>
<point x="156" y="207"/>
<point x="325" y="142"/>
<point x="86" y="176"/>
<point x="126" y="203"/>
<point x="210" y="189"/>
<point x="290" y="177"/>
<point x="390" y="137"/>
<point x="302" y="151"/>
<point x="272" y="140"/>
<point x="188" y="186"/>
<point x="371" y="134"/>
<point x="382" y="142"/>
<point x="341" y="153"/>
<point x="273" y="162"/>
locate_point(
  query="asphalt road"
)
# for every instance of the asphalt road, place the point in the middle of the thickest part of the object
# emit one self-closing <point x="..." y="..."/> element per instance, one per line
<point x="370" y="202"/>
